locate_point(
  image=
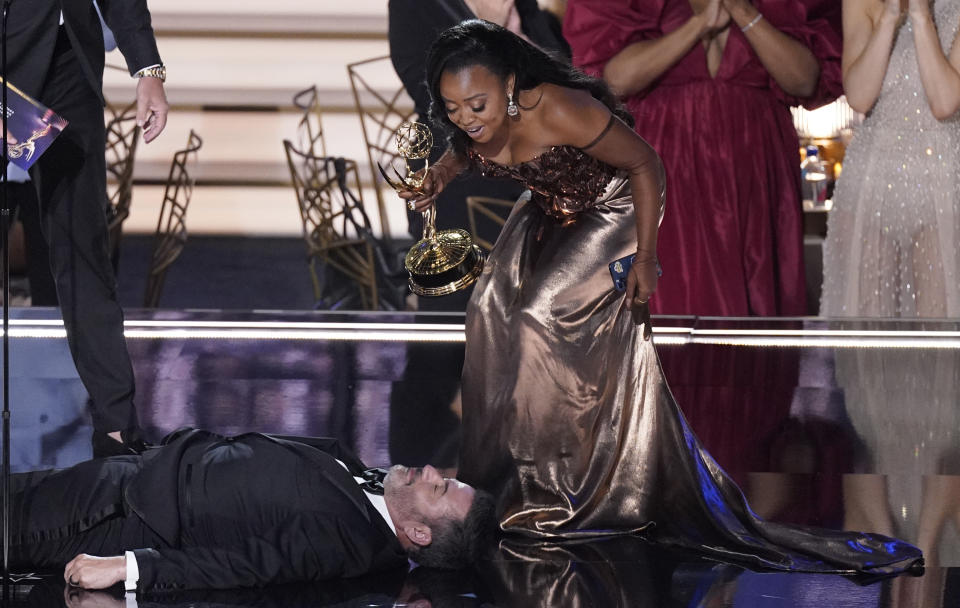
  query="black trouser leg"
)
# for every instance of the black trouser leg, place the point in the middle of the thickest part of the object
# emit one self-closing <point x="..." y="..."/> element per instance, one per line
<point x="43" y="290"/>
<point x="58" y="514"/>
<point x="71" y="182"/>
<point x="108" y="538"/>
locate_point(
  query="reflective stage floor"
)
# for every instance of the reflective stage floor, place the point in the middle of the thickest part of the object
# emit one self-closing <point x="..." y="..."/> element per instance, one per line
<point x="849" y="424"/>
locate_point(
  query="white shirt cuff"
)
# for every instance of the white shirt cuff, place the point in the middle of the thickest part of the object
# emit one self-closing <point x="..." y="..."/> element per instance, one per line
<point x="133" y="572"/>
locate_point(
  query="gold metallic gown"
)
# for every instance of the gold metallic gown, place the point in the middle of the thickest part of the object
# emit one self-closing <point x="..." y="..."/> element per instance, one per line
<point x="567" y="418"/>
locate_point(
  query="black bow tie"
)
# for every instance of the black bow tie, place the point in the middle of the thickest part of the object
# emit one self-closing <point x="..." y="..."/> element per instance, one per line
<point x="373" y="480"/>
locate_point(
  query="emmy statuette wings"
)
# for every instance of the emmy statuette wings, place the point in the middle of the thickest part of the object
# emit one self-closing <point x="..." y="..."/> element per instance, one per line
<point x="444" y="261"/>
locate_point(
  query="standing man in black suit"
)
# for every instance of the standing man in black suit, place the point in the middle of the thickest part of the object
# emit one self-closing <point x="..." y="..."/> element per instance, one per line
<point x="56" y="56"/>
<point x="206" y="511"/>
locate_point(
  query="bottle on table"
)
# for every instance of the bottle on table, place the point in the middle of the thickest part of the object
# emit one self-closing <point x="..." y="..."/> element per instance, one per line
<point x="813" y="174"/>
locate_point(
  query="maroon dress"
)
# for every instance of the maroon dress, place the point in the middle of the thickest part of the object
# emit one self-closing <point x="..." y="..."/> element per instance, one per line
<point x="731" y="242"/>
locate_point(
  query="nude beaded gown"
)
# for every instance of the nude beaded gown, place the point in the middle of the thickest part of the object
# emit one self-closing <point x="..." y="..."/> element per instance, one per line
<point x="893" y="236"/>
<point x="893" y="251"/>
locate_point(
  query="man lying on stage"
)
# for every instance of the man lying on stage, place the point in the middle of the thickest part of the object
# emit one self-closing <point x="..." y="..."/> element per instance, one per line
<point x="206" y="511"/>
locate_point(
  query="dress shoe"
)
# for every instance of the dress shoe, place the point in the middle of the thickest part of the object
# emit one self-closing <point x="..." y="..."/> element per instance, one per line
<point x="104" y="445"/>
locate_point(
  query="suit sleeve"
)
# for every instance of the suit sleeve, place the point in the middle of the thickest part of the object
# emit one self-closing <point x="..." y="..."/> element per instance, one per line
<point x="130" y="22"/>
<point x="306" y="548"/>
<point x="543" y="29"/>
<point x="411" y="32"/>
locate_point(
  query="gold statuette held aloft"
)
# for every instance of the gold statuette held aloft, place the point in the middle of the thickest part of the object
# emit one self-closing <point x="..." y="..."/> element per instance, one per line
<point x="441" y="262"/>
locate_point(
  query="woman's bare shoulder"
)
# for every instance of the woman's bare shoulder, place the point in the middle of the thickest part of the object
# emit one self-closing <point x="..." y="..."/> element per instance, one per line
<point x="575" y="116"/>
<point x="561" y="98"/>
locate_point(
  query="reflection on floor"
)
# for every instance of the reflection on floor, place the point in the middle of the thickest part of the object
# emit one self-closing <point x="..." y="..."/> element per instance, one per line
<point x="613" y="573"/>
<point x="844" y="425"/>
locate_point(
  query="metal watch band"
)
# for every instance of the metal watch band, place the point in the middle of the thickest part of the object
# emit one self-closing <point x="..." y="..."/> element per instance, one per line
<point x="158" y="71"/>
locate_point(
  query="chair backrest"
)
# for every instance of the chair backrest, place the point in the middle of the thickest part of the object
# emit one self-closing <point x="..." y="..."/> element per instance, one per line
<point x="483" y="210"/>
<point x="171" y="234"/>
<point x="335" y="224"/>
<point x="121" y="149"/>
<point x="310" y="128"/>
<point x="381" y="108"/>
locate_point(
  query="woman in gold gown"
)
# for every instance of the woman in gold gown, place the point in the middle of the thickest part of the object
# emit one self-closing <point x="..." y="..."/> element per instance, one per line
<point x="567" y="418"/>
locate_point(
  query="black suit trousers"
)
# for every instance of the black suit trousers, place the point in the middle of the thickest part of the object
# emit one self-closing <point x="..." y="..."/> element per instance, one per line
<point x="22" y="197"/>
<point x="59" y="514"/>
<point x="109" y="538"/>
<point x="71" y="186"/>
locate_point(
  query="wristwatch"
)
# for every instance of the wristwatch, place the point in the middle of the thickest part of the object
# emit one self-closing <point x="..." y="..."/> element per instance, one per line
<point x="154" y="71"/>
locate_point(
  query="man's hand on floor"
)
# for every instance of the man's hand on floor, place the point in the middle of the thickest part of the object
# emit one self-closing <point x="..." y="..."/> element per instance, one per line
<point x="92" y="572"/>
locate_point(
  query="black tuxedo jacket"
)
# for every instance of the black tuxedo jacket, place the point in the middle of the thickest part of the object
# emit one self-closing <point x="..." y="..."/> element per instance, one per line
<point x="254" y="510"/>
<point x="32" y="37"/>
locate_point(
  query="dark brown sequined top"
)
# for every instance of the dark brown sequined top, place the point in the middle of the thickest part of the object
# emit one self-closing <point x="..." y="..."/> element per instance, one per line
<point x="563" y="180"/>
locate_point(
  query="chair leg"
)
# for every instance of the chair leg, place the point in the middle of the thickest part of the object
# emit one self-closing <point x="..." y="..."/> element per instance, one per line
<point x="317" y="287"/>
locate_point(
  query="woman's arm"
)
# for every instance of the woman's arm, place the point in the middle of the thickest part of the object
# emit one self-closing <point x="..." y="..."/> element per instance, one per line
<point x="791" y="64"/>
<point x="638" y="65"/>
<point x="940" y="75"/>
<point x="575" y="118"/>
<point x="867" y="42"/>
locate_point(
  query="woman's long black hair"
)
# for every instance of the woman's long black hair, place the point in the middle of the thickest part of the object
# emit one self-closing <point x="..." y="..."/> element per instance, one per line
<point x="478" y="42"/>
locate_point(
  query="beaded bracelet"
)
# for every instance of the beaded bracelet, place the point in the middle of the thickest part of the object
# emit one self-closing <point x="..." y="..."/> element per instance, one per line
<point x="752" y="23"/>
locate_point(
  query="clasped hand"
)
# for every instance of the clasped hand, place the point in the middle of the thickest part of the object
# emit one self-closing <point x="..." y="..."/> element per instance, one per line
<point x="715" y="15"/>
<point x="422" y="198"/>
<point x="898" y="8"/>
<point x="501" y="12"/>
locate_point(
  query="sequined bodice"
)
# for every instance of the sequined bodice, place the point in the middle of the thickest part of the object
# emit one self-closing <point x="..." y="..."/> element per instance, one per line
<point x="902" y="104"/>
<point x="563" y="180"/>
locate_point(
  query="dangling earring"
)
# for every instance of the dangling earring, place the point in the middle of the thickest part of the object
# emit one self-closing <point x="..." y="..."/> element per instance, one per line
<point x="512" y="109"/>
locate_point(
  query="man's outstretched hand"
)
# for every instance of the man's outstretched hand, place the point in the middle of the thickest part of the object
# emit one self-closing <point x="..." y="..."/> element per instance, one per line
<point x="152" y="107"/>
<point x="92" y="572"/>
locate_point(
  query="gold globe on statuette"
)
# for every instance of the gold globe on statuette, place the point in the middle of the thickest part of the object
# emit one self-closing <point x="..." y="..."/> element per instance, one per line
<point x="444" y="261"/>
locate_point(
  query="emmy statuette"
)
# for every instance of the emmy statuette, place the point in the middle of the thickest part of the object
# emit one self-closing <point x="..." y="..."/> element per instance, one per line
<point x="444" y="261"/>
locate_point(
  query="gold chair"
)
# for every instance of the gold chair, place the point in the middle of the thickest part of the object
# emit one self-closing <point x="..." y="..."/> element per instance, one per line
<point x="381" y="111"/>
<point x="121" y="148"/>
<point x="346" y="265"/>
<point x="310" y="128"/>
<point x="485" y="207"/>
<point x="171" y="234"/>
